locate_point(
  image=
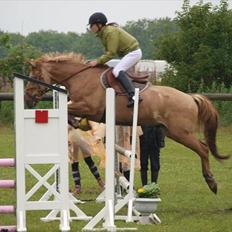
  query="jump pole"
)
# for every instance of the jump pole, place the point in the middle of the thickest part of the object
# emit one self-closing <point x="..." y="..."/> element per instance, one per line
<point x="7" y="209"/>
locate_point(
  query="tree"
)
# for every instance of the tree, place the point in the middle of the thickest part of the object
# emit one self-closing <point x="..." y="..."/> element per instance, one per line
<point x="202" y="49"/>
<point x="15" y="48"/>
<point x="15" y="57"/>
<point x="51" y="41"/>
<point x="89" y="46"/>
<point x="147" y="31"/>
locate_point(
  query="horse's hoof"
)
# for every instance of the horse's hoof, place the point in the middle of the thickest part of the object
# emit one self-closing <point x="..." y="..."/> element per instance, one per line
<point x="213" y="187"/>
<point x="211" y="182"/>
<point x="74" y="123"/>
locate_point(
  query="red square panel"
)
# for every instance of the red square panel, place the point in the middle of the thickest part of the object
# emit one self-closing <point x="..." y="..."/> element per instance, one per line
<point x="41" y="116"/>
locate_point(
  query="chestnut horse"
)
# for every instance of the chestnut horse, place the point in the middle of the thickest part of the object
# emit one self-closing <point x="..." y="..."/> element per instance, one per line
<point x="178" y="112"/>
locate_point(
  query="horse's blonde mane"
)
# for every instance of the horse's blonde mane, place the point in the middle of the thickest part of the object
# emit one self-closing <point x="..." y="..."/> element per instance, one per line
<point x="59" y="57"/>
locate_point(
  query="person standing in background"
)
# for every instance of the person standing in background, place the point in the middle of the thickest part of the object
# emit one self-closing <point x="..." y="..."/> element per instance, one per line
<point x="151" y="141"/>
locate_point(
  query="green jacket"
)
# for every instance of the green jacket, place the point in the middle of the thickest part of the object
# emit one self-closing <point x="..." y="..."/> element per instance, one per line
<point x="116" y="42"/>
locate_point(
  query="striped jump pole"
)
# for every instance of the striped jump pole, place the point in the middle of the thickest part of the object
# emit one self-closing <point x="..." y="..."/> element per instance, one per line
<point x="7" y="184"/>
<point x="7" y="209"/>
<point x="7" y="162"/>
<point x="8" y="229"/>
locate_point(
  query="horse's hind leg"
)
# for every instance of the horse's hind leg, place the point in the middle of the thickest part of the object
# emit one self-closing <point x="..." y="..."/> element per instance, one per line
<point x="190" y="141"/>
<point x="207" y="175"/>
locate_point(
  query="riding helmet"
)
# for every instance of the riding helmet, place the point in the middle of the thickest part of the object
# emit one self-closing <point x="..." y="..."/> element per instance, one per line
<point x="97" y="17"/>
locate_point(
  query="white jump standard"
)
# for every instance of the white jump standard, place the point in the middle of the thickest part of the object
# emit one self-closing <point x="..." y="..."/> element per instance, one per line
<point x="113" y="205"/>
<point x="41" y="138"/>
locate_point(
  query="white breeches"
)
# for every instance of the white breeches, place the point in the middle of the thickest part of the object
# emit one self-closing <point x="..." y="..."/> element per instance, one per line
<point x="127" y="61"/>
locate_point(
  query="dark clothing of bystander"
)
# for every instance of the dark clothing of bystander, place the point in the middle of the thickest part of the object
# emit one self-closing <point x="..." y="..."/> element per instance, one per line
<point x="150" y="143"/>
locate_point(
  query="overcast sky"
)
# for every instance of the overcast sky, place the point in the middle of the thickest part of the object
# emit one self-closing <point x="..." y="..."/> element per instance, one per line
<point x="63" y="16"/>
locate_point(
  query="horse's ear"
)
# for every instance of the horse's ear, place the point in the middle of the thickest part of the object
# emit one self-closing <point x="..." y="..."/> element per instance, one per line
<point x="32" y="63"/>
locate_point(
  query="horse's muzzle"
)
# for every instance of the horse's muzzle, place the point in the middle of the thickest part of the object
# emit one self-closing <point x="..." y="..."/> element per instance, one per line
<point x="30" y="101"/>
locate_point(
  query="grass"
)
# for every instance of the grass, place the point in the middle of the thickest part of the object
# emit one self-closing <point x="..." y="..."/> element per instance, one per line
<point x="187" y="203"/>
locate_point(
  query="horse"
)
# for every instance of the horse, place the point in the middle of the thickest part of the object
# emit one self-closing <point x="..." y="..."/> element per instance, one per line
<point x="178" y="112"/>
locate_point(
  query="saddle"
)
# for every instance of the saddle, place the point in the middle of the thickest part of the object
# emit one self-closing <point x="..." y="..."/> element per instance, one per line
<point x="109" y="81"/>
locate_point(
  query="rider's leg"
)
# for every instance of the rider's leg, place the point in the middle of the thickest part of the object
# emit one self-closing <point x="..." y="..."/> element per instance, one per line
<point x="127" y="85"/>
<point x="119" y="70"/>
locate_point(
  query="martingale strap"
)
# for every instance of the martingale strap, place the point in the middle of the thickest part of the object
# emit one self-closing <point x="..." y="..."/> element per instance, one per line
<point x="49" y="86"/>
<point x="40" y="82"/>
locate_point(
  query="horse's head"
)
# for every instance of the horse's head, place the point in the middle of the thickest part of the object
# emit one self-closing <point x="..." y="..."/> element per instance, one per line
<point x="52" y="68"/>
<point x="33" y="91"/>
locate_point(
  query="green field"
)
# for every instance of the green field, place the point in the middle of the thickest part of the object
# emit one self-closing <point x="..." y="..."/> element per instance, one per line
<point x="187" y="203"/>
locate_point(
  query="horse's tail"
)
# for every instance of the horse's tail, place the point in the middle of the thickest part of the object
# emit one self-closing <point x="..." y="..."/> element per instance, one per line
<point x="208" y="116"/>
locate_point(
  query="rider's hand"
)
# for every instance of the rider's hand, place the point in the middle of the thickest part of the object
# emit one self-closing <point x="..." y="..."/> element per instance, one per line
<point x="92" y="63"/>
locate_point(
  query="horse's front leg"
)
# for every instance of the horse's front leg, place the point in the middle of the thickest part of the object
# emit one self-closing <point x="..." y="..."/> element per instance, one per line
<point x="76" y="122"/>
<point x="73" y="121"/>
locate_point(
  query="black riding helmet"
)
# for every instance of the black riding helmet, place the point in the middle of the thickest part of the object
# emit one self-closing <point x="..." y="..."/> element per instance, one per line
<point x="97" y="17"/>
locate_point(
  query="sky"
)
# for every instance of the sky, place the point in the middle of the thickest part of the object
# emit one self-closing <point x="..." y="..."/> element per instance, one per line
<point x="72" y="15"/>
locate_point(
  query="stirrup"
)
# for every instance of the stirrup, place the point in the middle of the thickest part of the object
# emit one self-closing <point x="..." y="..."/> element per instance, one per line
<point x="131" y="101"/>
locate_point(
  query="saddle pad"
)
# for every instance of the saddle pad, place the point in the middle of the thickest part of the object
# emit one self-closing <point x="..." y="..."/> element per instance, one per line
<point x="109" y="81"/>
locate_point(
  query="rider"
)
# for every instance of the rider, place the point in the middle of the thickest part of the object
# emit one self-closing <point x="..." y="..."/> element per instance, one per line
<point x="116" y="42"/>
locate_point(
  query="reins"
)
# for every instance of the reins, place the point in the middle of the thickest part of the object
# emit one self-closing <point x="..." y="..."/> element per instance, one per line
<point x="77" y="72"/>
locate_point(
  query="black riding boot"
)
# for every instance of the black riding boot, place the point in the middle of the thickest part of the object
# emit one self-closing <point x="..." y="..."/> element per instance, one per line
<point x="127" y="85"/>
